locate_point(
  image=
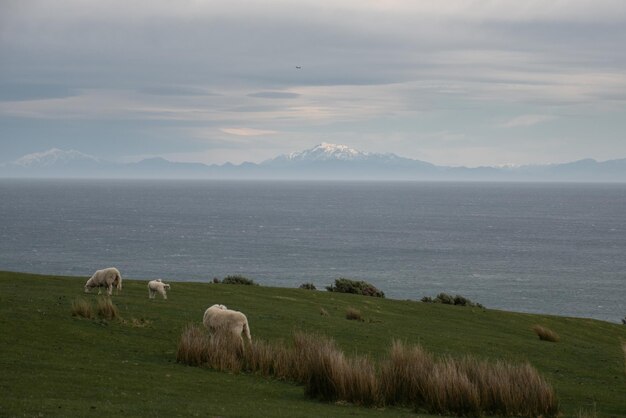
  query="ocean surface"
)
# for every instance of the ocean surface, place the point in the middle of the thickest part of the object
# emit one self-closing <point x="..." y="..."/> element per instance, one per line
<point x="542" y="248"/>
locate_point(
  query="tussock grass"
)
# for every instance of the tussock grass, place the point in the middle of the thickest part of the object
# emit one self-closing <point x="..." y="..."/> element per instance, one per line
<point x="106" y="309"/>
<point x="510" y="389"/>
<point x="328" y="375"/>
<point x="404" y="373"/>
<point x="193" y="346"/>
<point x="354" y="314"/>
<point x="81" y="307"/>
<point x="197" y="348"/>
<point x="546" y="334"/>
<point x="408" y="376"/>
<point x="271" y="360"/>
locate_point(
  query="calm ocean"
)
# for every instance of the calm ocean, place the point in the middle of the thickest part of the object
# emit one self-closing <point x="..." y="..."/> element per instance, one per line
<point x="545" y="248"/>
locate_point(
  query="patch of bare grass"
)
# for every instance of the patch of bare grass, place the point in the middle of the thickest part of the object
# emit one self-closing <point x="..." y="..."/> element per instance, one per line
<point x="106" y="309"/>
<point x="137" y="323"/>
<point x="583" y="413"/>
<point x="546" y="334"/>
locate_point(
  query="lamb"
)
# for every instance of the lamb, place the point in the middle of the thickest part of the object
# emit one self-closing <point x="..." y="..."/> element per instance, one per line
<point x="220" y="320"/>
<point x="157" y="286"/>
<point x="108" y="278"/>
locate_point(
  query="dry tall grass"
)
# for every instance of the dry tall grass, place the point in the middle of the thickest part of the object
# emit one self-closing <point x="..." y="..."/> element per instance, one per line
<point x="510" y="389"/>
<point x="82" y="308"/>
<point x="409" y="376"/>
<point x="546" y="334"/>
<point x="193" y="346"/>
<point x="404" y="374"/>
<point x="354" y="314"/>
<point x="106" y="309"/>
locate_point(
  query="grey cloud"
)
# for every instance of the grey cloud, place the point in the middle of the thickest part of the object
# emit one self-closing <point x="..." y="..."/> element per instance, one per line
<point x="30" y="91"/>
<point x="165" y="90"/>
<point x="275" y="95"/>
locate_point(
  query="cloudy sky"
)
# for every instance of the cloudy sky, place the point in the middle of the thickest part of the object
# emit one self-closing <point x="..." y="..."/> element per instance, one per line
<point x="454" y="82"/>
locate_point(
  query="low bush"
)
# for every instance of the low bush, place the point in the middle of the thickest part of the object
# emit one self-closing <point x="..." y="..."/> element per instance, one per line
<point x="308" y="286"/>
<point x="546" y="334"/>
<point x="447" y="299"/>
<point x="82" y="308"/>
<point x="355" y="286"/>
<point x="237" y="279"/>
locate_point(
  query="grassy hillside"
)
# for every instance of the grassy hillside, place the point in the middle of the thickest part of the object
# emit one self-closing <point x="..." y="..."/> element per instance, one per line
<point x="53" y="364"/>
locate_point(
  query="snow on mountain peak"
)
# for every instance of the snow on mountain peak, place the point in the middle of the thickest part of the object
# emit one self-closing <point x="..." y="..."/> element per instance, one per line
<point x="326" y="151"/>
<point x="52" y="157"/>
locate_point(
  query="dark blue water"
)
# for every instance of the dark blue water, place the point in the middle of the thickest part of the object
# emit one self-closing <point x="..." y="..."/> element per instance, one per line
<point x="546" y="248"/>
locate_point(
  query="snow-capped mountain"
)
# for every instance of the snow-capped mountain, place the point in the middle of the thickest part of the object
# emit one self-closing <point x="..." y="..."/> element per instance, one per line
<point x="54" y="157"/>
<point x="326" y="152"/>
<point x="330" y="152"/>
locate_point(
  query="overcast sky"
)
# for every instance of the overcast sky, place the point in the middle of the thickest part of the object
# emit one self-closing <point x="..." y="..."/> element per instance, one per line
<point x="452" y="82"/>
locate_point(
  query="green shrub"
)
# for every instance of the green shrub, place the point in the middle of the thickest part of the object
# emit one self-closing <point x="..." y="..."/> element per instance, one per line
<point x="447" y="299"/>
<point x="357" y="287"/>
<point x="308" y="286"/>
<point x="237" y="279"/>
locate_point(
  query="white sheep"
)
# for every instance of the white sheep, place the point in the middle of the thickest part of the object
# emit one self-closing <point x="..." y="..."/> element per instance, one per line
<point x="157" y="286"/>
<point x="220" y="320"/>
<point x="107" y="277"/>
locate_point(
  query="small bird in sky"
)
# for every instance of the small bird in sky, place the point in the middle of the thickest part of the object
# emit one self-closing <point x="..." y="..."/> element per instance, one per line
<point x="298" y="67"/>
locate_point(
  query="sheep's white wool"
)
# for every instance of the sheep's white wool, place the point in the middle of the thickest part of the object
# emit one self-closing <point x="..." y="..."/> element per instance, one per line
<point x="157" y="286"/>
<point x="107" y="278"/>
<point x="220" y="320"/>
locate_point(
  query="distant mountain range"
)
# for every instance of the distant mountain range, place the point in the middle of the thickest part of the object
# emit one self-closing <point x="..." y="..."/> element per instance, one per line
<point x="322" y="162"/>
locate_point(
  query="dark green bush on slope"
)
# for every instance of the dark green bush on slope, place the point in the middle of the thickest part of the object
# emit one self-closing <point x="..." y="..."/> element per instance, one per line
<point x="354" y="286"/>
<point x="237" y="279"/>
<point x="447" y="299"/>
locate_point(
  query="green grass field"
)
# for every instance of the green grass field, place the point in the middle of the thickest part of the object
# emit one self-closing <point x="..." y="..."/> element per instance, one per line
<point x="54" y="364"/>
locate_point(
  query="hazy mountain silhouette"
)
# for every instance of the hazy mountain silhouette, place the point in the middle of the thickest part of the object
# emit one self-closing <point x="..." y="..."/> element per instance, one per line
<point x="322" y="162"/>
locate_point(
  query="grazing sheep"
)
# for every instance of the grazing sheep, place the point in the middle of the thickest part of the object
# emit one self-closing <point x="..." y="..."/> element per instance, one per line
<point x="108" y="278"/>
<point x="222" y="321"/>
<point x="157" y="286"/>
